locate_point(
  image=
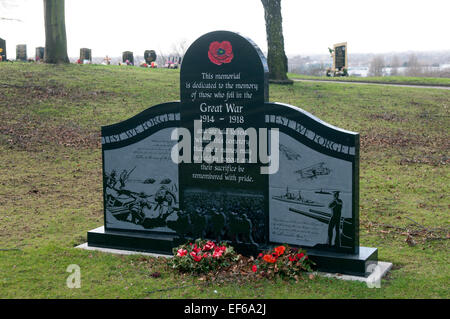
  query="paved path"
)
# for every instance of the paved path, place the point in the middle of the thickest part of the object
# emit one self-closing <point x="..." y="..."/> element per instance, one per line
<point x="374" y="83"/>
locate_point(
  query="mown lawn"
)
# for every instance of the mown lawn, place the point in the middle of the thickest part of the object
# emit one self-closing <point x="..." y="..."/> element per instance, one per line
<point x="406" y="80"/>
<point x="50" y="184"/>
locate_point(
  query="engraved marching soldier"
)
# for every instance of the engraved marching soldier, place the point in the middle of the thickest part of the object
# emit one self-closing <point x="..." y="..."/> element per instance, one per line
<point x="336" y="208"/>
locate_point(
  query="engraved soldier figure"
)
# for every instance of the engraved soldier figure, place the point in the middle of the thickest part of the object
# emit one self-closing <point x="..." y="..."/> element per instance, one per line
<point x="336" y="208"/>
<point x="137" y="207"/>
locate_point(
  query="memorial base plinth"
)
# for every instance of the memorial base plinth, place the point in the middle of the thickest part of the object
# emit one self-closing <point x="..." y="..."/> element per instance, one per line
<point x="148" y="242"/>
<point x="326" y="261"/>
<point x="343" y="263"/>
<point x="132" y="240"/>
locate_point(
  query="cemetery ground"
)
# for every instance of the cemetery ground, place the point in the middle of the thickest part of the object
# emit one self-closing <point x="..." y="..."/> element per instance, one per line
<point x="400" y="80"/>
<point x="51" y="192"/>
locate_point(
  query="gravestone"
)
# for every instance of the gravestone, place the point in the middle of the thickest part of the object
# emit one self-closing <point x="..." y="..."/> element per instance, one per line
<point x="21" y="52"/>
<point x="128" y="55"/>
<point x="3" y="50"/>
<point x="149" y="56"/>
<point x="39" y="54"/>
<point x="340" y="56"/>
<point x="226" y="164"/>
<point x="85" y="54"/>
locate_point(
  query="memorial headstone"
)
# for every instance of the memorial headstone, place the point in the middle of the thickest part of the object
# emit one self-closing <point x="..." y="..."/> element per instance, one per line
<point x="149" y="56"/>
<point x="224" y="85"/>
<point x="85" y="55"/>
<point x="3" y="55"/>
<point x="21" y="52"/>
<point x="39" y="54"/>
<point x="128" y="56"/>
<point x="340" y="56"/>
<point x="226" y="164"/>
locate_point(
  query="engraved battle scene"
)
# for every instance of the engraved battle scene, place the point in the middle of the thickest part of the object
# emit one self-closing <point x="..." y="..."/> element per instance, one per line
<point x="310" y="198"/>
<point x="141" y="184"/>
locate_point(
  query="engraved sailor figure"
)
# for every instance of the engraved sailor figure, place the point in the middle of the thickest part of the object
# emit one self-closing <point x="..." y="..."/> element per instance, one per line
<point x="335" y="220"/>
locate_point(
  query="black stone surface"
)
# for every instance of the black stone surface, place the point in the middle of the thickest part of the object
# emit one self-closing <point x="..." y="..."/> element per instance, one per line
<point x="85" y="54"/>
<point x="39" y="53"/>
<point x="223" y="84"/>
<point x="339" y="56"/>
<point x="21" y="52"/>
<point x="329" y="142"/>
<point x="131" y="240"/>
<point x="223" y="71"/>
<point x="3" y="47"/>
<point x="128" y="55"/>
<point x="342" y="263"/>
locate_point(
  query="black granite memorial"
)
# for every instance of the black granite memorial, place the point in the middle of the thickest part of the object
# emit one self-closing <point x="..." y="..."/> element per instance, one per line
<point x="226" y="164"/>
<point x="85" y="54"/>
<point x="340" y="56"/>
<point x="21" y="52"/>
<point x="128" y="56"/>
<point x="39" y="56"/>
<point x="149" y="56"/>
<point x="3" y="50"/>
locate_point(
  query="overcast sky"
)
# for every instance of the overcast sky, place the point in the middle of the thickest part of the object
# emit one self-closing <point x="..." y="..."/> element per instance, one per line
<point x="111" y="26"/>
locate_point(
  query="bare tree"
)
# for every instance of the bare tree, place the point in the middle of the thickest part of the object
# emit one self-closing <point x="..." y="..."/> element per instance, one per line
<point x="395" y="64"/>
<point x="376" y="66"/>
<point x="55" y="32"/>
<point x="414" y="66"/>
<point x="179" y="48"/>
<point x="276" y="57"/>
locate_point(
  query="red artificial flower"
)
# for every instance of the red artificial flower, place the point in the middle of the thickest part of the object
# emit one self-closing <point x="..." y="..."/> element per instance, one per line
<point x="220" y="52"/>
<point x="209" y="245"/>
<point x="269" y="258"/>
<point x="280" y="250"/>
<point x="254" y="268"/>
<point x="220" y="248"/>
<point x="292" y="258"/>
<point x="299" y="256"/>
<point x="260" y="255"/>
<point x="197" y="258"/>
<point x="181" y="252"/>
<point x="217" y="254"/>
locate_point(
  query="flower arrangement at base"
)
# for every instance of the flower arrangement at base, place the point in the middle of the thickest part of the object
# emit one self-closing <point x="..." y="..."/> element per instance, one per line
<point x="203" y="256"/>
<point x="282" y="261"/>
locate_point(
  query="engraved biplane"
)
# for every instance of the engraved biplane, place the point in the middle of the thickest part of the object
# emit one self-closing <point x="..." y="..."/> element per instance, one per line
<point x="314" y="170"/>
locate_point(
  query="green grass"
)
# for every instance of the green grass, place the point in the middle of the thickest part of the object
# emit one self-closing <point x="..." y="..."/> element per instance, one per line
<point x="378" y="79"/>
<point x="50" y="184"/>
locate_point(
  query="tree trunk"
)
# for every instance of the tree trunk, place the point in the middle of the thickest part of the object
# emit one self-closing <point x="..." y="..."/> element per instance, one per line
<point x="276" y="58"/>
<point x="55" y="32"/>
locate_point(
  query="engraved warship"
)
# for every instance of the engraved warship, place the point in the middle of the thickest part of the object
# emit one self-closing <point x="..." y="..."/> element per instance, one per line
<point x="296" y="199"/>
<point x="345" y="224"/>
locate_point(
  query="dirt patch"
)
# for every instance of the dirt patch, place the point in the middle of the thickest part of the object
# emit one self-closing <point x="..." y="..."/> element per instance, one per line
<point x="403" y="139"/>
<point x="414" y="148"/>
<point x="390" y="117"/>
<point x="31" y="135"/>
<point x="15" y="95"/>
<point x="430" y="160"/>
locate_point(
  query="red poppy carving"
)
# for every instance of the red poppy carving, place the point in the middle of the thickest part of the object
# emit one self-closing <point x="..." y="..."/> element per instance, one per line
<point x="220" y="52"/>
